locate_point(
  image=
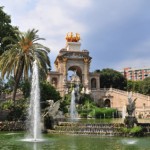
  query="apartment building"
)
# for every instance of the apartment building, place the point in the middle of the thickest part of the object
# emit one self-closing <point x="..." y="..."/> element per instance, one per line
<point x="136" y="74"/>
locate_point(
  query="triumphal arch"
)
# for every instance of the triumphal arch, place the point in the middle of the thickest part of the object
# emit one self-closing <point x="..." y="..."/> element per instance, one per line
<point x="72" y="58"/>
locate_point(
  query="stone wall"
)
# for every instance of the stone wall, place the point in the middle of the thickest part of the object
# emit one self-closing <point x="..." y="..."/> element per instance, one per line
<point x="119" y="100"/>
<point x="12" y="126"/>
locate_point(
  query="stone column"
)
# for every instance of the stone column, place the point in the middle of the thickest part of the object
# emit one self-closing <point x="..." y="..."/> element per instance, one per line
<point x="86" y="72"/>
<point x="64" y="83"/>
<point x="65" y="68"/>
<point x="97" y="83"/>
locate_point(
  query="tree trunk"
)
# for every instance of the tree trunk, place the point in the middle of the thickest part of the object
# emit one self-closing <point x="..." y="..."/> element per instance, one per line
<point x="17" y="79"/>
<point x="14" y="92"/>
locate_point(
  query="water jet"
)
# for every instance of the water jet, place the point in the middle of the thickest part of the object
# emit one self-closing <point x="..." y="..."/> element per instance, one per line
<point x="34" y="117"/>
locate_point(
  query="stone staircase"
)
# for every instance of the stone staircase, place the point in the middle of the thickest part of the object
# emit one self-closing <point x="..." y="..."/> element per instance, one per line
<point x="102" y="129"/>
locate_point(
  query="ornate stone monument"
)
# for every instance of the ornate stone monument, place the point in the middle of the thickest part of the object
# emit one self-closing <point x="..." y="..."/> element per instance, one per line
<point x="71" y="58"/>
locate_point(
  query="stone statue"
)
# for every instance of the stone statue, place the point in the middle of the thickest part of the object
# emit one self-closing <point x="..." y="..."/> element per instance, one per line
<point x="131" y="106"/>
<point x="52" y="109"/>
<point x="130" y="120"/>
<point x="51" y="114"/>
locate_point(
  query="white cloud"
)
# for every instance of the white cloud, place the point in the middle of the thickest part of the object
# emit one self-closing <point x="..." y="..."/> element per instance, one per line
<point x="79" y="3"/>
<point x="54" y="18"/>
<point x="51" y="18"/>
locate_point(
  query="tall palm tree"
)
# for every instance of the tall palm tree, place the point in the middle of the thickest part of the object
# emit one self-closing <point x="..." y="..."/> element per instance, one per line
<point x="19" y="58"/>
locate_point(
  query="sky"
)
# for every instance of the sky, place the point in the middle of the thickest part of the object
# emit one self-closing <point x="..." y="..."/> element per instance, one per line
<point x="115" y="32"/>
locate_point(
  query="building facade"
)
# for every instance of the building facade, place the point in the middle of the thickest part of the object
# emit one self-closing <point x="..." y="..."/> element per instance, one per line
<point x="136" y="74"/>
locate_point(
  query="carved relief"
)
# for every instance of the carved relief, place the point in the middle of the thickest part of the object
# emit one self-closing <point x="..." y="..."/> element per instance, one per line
<point x="74" y="55"/>
<point x="86" y="60"/>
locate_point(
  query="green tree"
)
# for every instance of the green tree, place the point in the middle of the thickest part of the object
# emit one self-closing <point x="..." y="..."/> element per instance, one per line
<point x="129" y="85"/>
<point x="48" y="92"/>
<point x="146" y="86"/>
<point x="6" y="29"/>
<point x="25" y="87"/>
<point x="19" y="58"/>
<point x="135" y="86"/>
<point x="17" y="112"/>
<point x="110" y="77"/>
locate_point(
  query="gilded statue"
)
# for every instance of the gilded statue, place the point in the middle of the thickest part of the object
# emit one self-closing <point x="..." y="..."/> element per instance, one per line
<point x="71" y="38"/>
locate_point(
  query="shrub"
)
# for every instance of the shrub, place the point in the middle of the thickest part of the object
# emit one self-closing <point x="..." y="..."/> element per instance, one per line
<point x="136" y="131"/>
<point x="65" y="104"/>
<point x="104" y="112"/>
<point x="125" y="130"/>
<point x="17" y="112"/>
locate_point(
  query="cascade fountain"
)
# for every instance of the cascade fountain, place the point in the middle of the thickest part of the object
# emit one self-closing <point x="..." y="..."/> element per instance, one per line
<point x="75" y="80"/>
<point x="34" y="117"/>
<point x="73" y="111"/>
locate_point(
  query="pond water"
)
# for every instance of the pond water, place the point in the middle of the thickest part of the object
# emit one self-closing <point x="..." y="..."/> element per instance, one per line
<point x="12" y="141"/>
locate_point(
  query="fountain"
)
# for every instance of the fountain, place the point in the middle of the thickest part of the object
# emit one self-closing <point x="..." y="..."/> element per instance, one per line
<point x="34" y="117"/>
<point x="73" y="111"/>
<point x="123" y="112"/>
<point x="75" y="80"/>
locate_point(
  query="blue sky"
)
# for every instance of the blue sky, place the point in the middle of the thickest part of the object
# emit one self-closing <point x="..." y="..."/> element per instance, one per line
<point x="116" y="32"/>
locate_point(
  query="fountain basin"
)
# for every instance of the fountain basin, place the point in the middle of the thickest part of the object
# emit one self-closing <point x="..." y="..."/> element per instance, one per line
<point x="68" y="142"/>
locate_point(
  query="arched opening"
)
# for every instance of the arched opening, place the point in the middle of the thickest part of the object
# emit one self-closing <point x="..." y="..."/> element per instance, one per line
<point x="74" y="70"/>
<point x="93" y="83"/>
<point x="107" y="103"/>
<point x="54" y="82"/>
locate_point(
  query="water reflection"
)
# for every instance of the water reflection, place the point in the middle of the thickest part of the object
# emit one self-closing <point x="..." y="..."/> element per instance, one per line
<point x="35" y="146"/>
<point x="129" y="141"/>
<point x="68" y="142"/>
<point x="32" y="146"/>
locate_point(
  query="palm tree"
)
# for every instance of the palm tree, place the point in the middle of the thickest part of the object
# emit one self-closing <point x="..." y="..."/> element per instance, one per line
<point x="19" y="57"/>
